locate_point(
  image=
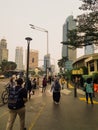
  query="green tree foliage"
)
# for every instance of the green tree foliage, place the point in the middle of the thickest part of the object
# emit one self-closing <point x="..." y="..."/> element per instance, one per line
<point x="61" y="62"/>
<point x="8" y="65"/>
<point x="89" y="5"/>
<point x="86" y="32"/>
<point x="88" y="22"/>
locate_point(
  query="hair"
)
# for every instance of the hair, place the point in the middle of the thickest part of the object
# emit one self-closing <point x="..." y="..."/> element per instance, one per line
<point x="89" y="80"/>
<point x="19" y="81"/>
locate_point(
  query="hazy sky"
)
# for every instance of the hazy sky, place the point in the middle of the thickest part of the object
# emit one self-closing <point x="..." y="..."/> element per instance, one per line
<point x="16" y="15"/>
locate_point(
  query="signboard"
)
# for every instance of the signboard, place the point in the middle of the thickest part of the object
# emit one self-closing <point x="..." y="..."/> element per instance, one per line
<point x="80" y="71"/>
<point x="68" y="65"/>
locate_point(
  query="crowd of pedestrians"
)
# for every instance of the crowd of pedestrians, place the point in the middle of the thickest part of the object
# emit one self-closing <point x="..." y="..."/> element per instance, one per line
<point x="28" y="88"/>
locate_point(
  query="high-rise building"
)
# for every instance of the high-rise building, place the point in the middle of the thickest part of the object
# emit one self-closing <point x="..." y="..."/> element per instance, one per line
<point x="46" y="61"/>
<point x="19" y="58"/>
<point x="33" y="59"/>
<point x="67" y="50"/>
<point x="3" y="50"/>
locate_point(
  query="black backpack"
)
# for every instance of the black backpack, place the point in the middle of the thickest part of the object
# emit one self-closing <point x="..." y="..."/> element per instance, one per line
<point x="56" y="86"/>
<point x="14" y="99"/>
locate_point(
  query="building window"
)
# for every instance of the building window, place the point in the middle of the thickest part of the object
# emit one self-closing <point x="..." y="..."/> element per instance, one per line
<point x="92" y="66"/>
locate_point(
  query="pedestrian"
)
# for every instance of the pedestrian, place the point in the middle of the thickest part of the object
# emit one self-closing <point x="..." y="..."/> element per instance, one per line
<point x="16" y="105"/>
<point x="33" y="83"/>
<point x="28" y="87"/>
<point x="62" y="82"/>
<point x="11" y="83"/>
<point x="55" y="88"/>
<point x="49" y="79"/>
<point x="89" y="90"/>
<point x="44" y="84"/>
<point x="37" y="83"/>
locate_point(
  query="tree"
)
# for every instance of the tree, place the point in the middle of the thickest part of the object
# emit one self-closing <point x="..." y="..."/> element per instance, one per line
<point x="88" y="22"/>
<point x="61" y="62"/>
<point x="89" y="5"/>
<point x="86" y="32"/>
<point x="8" y="65"/>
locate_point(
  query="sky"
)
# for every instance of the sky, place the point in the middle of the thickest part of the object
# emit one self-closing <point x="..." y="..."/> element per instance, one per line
<point x="16" y="15"/>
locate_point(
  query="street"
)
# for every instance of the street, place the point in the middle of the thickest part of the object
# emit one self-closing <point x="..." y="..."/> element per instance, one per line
<point x="42" y="114"/>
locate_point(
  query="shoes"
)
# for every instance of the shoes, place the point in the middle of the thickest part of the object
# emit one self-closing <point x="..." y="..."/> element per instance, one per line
<point x="56" y="102"/>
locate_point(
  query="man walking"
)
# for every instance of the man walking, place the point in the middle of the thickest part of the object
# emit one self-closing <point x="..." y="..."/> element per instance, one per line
<point x="16" y="104"/>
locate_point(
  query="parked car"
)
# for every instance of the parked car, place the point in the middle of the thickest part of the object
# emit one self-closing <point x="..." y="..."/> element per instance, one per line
<point x="2" y="76"/>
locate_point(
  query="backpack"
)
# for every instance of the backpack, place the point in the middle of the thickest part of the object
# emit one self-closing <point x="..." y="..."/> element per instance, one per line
<point x="56" y="86"/>
<point x="14" y="99"/>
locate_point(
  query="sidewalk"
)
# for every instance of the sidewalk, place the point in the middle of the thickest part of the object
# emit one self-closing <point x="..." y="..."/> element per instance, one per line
<point x="71" y="114"/>
<point x="42" y="114"/>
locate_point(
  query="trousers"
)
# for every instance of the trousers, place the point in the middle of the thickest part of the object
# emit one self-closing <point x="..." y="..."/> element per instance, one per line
<point x="12" y="116"/>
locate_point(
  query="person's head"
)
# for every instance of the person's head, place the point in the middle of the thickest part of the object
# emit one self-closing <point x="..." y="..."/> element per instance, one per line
<point x="89" y="80"/>
<point x="34" y="79"/>
<point x="19" y="81"/>
<point x="12" y="80"/>
<point x="56" y="78"/>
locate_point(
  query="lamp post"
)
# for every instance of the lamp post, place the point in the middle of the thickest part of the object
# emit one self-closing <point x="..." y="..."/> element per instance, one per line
<point x="42" y="30"/>
<point x="28" y="49"/>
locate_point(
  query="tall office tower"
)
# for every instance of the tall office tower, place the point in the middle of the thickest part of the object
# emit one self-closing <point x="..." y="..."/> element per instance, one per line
<point x="3" y="50"/>
<point x="19" y="58"/>
<point x="33" y="59"/>
<point x="67" y="50"/>
<point x="47" y="61"/>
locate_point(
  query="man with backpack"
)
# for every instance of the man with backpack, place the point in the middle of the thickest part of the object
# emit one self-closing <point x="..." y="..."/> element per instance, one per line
<point x="16" y="104"/>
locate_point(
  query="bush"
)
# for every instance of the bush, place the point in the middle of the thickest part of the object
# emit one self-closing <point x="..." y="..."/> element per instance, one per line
<point x="86" y="76"/>
<point x="95" y="78"/>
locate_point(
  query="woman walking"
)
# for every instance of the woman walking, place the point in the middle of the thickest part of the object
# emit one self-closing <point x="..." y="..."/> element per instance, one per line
<point x="55" y="88"/>
<point x="89" y="90"/>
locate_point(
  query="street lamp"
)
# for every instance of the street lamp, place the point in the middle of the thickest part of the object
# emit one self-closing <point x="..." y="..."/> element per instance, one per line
<point x="28" y="49"/>
<point x="42" y="30"/>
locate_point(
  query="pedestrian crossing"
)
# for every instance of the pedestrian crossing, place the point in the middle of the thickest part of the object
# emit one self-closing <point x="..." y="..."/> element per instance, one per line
<point x="66" y="91"/>
<point x="63" y="91"/>
<point x="79" y="91"/>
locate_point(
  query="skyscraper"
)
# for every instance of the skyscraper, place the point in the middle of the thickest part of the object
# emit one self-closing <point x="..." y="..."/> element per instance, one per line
<point x="19" y="58"/>
<point x="33" y="59"/>
<point x="3" y="50"/>
<point x="67" y="50"/>
<point x="47" y="63"/>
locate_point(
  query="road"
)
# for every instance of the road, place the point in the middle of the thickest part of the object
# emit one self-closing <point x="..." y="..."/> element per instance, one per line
<point x="42" y="114"/>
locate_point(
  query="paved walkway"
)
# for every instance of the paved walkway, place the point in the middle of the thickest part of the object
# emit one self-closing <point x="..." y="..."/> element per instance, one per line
<point x="71" y="114"/>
